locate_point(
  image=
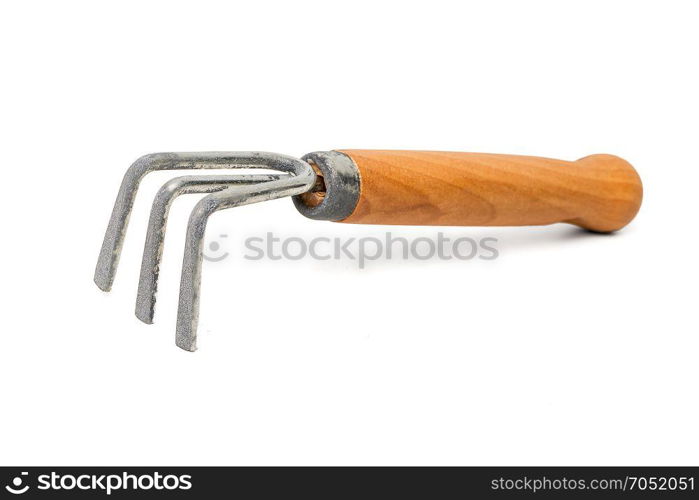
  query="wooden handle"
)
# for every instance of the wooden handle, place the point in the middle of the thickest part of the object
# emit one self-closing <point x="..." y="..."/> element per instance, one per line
<point x="599" y="192"/>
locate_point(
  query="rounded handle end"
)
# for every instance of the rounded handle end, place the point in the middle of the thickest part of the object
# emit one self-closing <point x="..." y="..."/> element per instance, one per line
<point x="617" y="196"/>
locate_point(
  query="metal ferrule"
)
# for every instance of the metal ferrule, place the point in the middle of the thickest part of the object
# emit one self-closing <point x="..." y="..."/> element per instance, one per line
<point x="342" y="182"/>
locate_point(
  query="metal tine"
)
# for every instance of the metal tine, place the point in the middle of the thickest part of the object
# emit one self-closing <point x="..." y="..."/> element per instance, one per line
<point x="190" y="284"/>
<point x="157" y="224"/>
<point x="116" y="230"/>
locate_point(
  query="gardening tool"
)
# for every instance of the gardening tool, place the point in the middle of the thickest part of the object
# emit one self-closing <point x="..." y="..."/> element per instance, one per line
<point x="601" y="193"/>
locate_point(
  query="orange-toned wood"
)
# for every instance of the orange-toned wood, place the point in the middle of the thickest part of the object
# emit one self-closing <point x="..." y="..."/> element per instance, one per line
<point x="599" y="192"/>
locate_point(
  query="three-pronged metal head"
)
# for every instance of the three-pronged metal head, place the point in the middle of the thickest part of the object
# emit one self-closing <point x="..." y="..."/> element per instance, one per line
<point x="225" y="192"/>
<point x="336" y="185"/>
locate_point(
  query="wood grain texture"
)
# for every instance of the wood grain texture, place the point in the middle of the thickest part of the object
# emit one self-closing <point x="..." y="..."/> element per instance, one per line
<point x="600" y="192"/>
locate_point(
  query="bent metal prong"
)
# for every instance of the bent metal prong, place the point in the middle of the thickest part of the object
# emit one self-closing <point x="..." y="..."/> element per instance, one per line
<point x="601" y="193"/>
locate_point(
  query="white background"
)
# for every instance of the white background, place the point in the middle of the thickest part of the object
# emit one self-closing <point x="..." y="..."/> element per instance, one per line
<point x="569" y="349"/>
